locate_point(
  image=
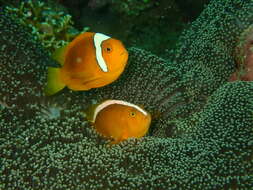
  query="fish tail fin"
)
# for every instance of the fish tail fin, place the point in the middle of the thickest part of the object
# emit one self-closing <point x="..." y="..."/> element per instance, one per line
<point x="54" y="83"/>
<point x="59" y="54"/>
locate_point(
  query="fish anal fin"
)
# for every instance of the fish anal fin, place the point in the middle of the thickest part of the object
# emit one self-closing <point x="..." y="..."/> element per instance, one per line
<point x="54" y="83"/>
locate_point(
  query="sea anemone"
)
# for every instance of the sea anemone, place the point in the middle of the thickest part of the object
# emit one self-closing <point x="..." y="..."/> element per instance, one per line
<point x="202" y="140"/>
<point x="244" y="56"/>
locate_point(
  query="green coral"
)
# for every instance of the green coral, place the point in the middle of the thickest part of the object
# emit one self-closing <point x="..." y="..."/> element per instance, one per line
<point x="47" y="21"/>
<point x="203" y="138"/>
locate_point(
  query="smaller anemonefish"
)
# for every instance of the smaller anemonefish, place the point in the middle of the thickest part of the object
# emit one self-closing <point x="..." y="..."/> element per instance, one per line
<point x="119" y="120"/>
<point x="91" y="60"/>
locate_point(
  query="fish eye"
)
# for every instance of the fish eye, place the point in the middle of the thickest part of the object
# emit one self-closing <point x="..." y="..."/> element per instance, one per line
<point x="108" y="48"/>
<point x="132" y="114"/>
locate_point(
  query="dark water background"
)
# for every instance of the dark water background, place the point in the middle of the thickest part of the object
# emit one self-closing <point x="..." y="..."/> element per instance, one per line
<point x="153" y="25"/>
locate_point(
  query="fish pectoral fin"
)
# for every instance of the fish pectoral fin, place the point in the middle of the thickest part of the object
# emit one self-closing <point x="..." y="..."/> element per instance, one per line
<point x="124" y="136"/>
<point x="118" y="140"/>
<point x="54" y="83"/>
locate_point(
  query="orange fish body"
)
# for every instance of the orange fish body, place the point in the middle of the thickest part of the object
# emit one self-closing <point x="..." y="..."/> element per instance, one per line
<point x="120" y="120"/>
<point x="91" y="60"/>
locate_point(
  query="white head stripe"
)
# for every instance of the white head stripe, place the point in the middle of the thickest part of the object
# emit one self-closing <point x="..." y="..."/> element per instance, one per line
<point x="98" y="39"/>
<point x="110" y="102"/>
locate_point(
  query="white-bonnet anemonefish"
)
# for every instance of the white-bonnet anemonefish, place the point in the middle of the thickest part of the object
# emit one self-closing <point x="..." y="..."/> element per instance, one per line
<point x="91" y="60"/>
<point x="119" y="120"/>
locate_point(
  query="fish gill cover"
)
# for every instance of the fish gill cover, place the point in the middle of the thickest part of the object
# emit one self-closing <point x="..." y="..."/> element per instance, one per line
<point x="203" y="138"/>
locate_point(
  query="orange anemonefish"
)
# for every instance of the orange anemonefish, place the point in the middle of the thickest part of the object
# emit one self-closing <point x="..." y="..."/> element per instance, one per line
<point x="119" y="120"/>
<point x="91" y="60"/>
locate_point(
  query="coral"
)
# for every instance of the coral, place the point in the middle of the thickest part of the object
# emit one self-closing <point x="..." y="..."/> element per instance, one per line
<point x="202" y="138"/>
<point x="47" y="21"/>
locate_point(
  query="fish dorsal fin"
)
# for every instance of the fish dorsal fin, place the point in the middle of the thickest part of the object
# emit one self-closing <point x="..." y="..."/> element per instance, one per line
<point x="89" y="112"/>
<point x="59" y="56"/>
<point x="110" y="102"/>
<point x="98" y="39"/>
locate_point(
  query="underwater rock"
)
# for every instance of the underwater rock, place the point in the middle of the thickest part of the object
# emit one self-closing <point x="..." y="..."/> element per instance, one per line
<point x="201" y="139"/>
